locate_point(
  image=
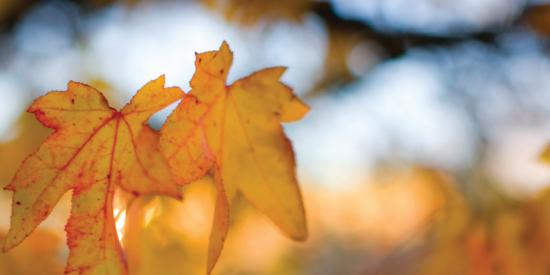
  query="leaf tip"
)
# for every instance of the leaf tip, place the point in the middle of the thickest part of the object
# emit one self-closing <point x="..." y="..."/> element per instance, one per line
<point x="7" y="245"/>
<point x="178" y="196"/>
<point x="211" y="264"/>
<point x="300" y="236"/>
<point x="31" y="109"/>
<point x="9" y="187"/>
<point x="73" y="85"/>
<point x="4" y="248"/>
<point x="162" y="79"/>
<point x="225" y="50"/>
<point x="224" y="46"/>
<point x="279" y="71"/>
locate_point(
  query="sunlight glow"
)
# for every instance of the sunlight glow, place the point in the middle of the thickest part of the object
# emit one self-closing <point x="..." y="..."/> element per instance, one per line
<point x="120" y="222"/>
<point x="150" y="213"/>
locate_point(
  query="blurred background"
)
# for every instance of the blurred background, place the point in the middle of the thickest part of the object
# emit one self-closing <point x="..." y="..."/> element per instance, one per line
<point x="423" y="152"/>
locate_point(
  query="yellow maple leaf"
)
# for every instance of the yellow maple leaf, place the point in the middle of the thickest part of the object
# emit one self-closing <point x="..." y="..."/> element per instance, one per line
<point x="235" y="131"/>
<point x="93" y="149"/>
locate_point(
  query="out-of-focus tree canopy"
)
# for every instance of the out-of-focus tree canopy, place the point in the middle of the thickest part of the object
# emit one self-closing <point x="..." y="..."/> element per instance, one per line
<point x="420" y="154"/>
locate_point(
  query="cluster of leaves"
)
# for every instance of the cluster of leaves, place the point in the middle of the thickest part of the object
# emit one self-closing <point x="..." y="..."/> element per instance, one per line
<point x="513" y="239"/>
<point x="419" y="220"/>
<point x="502" y="235"/>
<point x="232" y="133"/>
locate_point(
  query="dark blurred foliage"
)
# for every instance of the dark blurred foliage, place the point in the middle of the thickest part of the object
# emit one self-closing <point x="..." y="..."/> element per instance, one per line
<point x="344" y="33"/>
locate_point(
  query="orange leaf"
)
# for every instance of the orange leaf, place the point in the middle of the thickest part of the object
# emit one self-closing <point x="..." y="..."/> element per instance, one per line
<point x="235" y="131"/>
<point x="92" y="150"/>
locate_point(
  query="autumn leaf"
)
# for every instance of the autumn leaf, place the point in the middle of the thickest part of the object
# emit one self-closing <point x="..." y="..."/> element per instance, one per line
<point x="94" y="148"/>
<point x="235" y="132"/>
